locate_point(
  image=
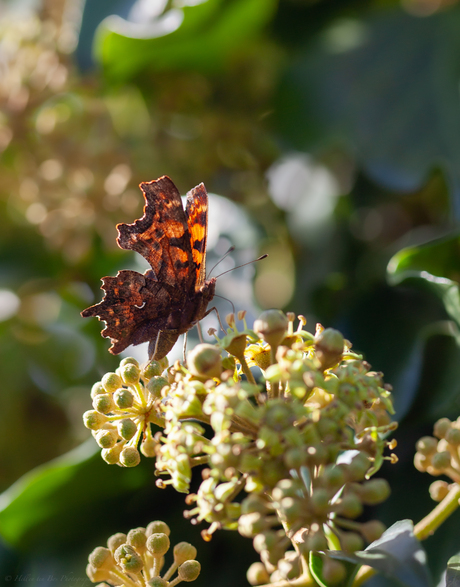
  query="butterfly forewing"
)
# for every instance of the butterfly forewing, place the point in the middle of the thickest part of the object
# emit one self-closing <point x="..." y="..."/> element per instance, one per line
<point x="196" y="212"/>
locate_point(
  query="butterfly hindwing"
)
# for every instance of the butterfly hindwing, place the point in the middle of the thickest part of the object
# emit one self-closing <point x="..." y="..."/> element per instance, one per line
<point x="196" y="212"/>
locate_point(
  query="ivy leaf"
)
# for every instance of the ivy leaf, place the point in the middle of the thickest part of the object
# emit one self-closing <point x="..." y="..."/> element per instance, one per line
<point x="315" y="563"/>
<point x="435" y="265"/>
<point x="453" y="572"/>
<point x="199" y="36"/>
<point x="397" y="554"/>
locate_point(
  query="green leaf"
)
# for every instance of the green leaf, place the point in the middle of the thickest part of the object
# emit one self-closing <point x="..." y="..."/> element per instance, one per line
<point x="66" y="495"/>
<point x="397" y="554"/>
<point x="199" y="37"/>
<point x="385" y="85"/>
<point x="435" y="265"/>
<point x="453" y="572"/>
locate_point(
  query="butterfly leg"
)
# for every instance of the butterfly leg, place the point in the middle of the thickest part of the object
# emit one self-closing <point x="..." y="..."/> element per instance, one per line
<point x="185" y="347"/>
<point x="156" y="345"/>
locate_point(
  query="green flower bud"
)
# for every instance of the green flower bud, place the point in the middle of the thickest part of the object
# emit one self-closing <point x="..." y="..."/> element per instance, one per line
<point x="329" y="347"/>
<point x="350" y="506"/>
<point x="189" y="570"/>
<point x="183" y="551"/>
<point x="157" y="582"/>
<point x="333" y="571"/>
<point x="152" y="369"/>
<point x="372" y="530"/>
<point x="439" y="490"/>
<point x="421" y="462"/>
<point x="129" y="361"/>
<point x="116" y="540"/>
<point x="320" y="501"/>
<point x="357" y="469"/>
<point x="148" y="447"/>
<point x="157" y="527"/>
<point x="103" y="403"/>
<point x="294" y="458"/>
<point x="111" y="382"/>
<point x="285" y="488"/>
<point x="205" y="361"/>
<point x="257" y="574"/>
<point x="101" y="558"/>
<point x="272" y="326"/>
<point x="441" y="460"/>
<point x="126" y="428"/>
<point x="374" y="491"/>
<point x="155" y="386"/>
<point x="123" y="398"/>
<point x="254" y="503"/>
<point x="106" y="438"/>
<point x="130" y="457"/>
<point x="251" y="524"/>
<point x="351" y="541"/>
<point x="97" y="389"/>
<point x="333" y="477"/>
<point x="128" y="559"/>
<point x="158" y="544"/>
<point x="94" y="420"/>
<point x="279" y="416"/>
<point x="314" y="542"/>
<point x="130" y="374"/>
<point x="453" y="436"/>
<point x="137" y="539"/>
<point x="112" y="455"/>
<point x="427" y="445"/>
<point x="441" y="427"/>
<point x="265" y="541"/>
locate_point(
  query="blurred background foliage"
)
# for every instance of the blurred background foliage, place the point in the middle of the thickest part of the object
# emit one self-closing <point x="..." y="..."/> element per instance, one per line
<point x="329" y="131"/>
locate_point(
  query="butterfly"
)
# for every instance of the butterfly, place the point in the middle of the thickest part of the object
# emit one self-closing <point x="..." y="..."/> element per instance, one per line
<point x="171" y="297"/>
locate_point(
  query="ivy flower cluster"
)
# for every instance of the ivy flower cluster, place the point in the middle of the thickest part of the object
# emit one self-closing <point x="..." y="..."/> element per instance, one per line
<point x="287" y="451"/>
<point x="440" y="455"/>
<point x="136" y="559"/>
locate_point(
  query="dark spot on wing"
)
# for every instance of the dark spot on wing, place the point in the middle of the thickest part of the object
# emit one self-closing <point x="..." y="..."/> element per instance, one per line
<point x="180" y="264"/>
<point x="178" y="242"/>
<point x="199" y="245"/>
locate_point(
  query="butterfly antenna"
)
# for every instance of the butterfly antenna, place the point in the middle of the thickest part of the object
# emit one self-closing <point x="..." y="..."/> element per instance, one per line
<point x="227" y="300"/>
<point x="230" y="250"/>
<point x="243" y="265"/>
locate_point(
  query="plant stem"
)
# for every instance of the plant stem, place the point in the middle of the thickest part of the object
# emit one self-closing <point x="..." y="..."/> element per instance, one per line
<point x="425" y="528"/>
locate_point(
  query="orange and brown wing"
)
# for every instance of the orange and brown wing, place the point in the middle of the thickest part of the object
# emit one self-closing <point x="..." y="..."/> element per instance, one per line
<point x="162" y="236"/>
<point x="135" y="308"/>
<point x="196" y="213"/>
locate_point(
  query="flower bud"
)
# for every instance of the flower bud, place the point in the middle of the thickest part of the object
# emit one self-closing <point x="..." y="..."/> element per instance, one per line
<point x="372" y="530"/>
<point x="126" y="428"/>
<point x="350" y="506"/>
<point x="137" y="539"/>
<point x="427" y="445"/>
<point x="441" y="460"/>
<point x="358" y="467"/>
<point x="251" y="524"/>
<point x="205" y="361"/>
<point x="421" y="462"/>
<point x="96" y="575"/>
<point x="148" y="447"/>
<point x="453" y="436"/>
<point x="130" y="457"/>
<point x="189" y="570"/>
<point x="351" y="541"/>
<point x="116" y="540"/>
<point x="94" y="420"/>
<point x="111" y="382"/>
<point x="129" y="361"/>
<point x="329" y="347"/>
<point x="441" y="427"/>
<point x="128" y="559"/>
<point x="313" y="542"/>
<point x="320" y="501"/>
<point x="374" y="491"/>
<point x="106" y="438"/>
<point x="97" y="389"/>
<point x="183" y="551"/>
<point x="112" y="455"/>
<point x="101" y="558"/>
<point x="439" y="490"/>
<point x="272" y="326"/>
<point x="130" y="373"/>
<point x="157" y="527"/>
<point x="158" y="544"/>
<point x="103" y="403"/>
<point x="123" y="398"/>
<point x="257" y="574"/>
<point x="155" y="385"/>
<point x="152" y="369"/>
<point x="333" y="571"/>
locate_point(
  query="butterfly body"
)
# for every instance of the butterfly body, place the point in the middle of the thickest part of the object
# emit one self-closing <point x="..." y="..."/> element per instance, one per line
<point x="172" y="296"/>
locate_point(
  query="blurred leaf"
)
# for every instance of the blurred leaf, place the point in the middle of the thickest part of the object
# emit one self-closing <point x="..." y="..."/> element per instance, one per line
<point x="435" y="265"/>
<point x="198" y="37"/>
<point x="397" y="554"/>
<point x="387" y="86"/>
<point x="453" y="572"/>
<point x="64" y="497"/>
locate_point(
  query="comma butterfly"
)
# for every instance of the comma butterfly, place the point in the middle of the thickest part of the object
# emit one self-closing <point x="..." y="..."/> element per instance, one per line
<point x="172" y="296"/>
